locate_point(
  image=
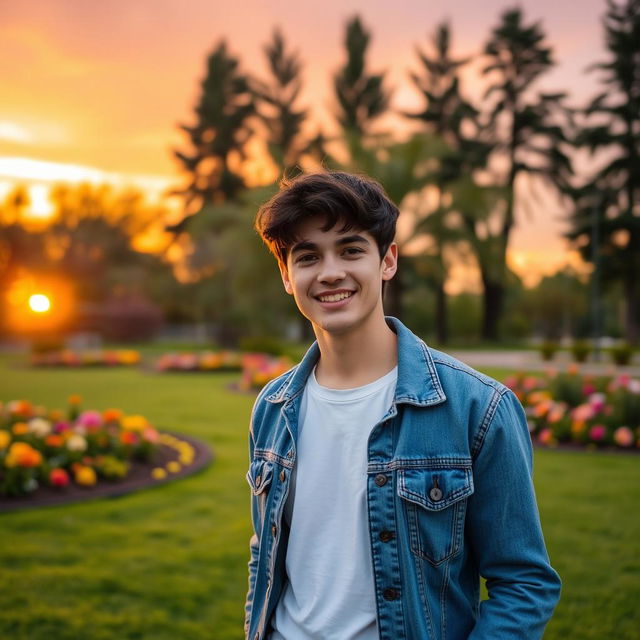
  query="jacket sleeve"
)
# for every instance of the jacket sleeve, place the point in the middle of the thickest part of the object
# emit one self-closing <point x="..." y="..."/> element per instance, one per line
<point x="253" y="561"/>
<point x="505" y="532"/>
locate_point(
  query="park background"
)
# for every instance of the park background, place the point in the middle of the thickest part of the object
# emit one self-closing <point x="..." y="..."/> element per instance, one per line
<point x="137" y="141"/>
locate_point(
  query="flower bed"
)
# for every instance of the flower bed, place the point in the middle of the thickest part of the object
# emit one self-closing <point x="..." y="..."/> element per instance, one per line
<point x="41" y="449"/>
<point x="585" y="410"/>
<point x="205" y="361"/>
<point x="259" y="368"/>
<point x="91" y="358"/>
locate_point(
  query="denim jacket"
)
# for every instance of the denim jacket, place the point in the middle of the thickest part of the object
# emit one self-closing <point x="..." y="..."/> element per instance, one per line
<point x="450" y="498"/>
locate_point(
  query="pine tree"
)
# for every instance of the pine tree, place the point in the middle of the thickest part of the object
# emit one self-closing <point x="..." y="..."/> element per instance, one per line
<point x="361" y="95"/>
<point x="218" y="138"/>
<point x="611" y="197"/>
<point x="445" y="114"/>
<point x="527" y="132"/>
<point x="276" y="104"/>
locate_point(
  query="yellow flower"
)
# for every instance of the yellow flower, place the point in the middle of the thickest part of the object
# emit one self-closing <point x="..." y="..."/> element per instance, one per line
<point x="159" y="474"/>
<point x="134" y="423"/>
<point x="5" y="439"/>
<point x="85" y="476"/>
<point x="174" y="466"/>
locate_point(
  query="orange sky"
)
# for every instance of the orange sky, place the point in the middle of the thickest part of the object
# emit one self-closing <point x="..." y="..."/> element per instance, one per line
<point x="95" y="90"/>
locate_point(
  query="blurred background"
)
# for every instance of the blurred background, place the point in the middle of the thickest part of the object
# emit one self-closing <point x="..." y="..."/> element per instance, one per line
<point x="138" y="139"/>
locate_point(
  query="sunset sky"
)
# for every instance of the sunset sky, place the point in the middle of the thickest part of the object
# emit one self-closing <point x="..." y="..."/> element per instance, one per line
<point x="94" y="91"/>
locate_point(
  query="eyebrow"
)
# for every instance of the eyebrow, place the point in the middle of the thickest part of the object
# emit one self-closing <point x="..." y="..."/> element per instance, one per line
<point x="306" y="245"/>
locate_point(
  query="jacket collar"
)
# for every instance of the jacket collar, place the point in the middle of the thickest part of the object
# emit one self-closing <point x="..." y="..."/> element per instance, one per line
<point x="418" y="383"/>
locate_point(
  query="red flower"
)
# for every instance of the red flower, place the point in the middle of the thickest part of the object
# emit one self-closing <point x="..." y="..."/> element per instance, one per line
<point x="58" y="478"/>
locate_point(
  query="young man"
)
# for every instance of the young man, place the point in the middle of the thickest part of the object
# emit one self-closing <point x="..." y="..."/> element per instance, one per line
<point x="387" y="477"/>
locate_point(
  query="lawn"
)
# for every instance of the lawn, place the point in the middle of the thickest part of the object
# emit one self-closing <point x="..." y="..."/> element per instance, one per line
<point x="170" y="562"/>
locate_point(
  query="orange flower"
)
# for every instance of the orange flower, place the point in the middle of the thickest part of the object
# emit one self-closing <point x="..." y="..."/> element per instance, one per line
<point x="111" y="415"/>
<point x="75" y="399"/>
<point x="21" y="408"/>
<point x="20" y="428"/>
<point x="54" y="440"/>
<point x="55" y="415"/>
<point x="22" y="454"/>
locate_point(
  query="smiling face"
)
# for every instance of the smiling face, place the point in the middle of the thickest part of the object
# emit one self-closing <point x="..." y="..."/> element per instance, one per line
<point x="336" y="277"/>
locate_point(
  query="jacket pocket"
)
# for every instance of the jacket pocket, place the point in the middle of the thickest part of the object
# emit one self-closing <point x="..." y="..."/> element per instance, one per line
<point x="435" y="501"/>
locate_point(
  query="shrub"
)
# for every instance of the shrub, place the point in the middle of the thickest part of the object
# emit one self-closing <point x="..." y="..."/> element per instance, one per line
<point x="580" y="350"/>
<point x="621" y="354"/>
<point x="548" y="349"/>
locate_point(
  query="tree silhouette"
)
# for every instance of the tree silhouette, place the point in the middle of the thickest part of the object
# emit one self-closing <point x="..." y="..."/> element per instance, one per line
<point x="611" y="197"/>
<point x="276" y="104"/>
<point x="445" y="114"/>
<point x="218" y="137"/>
<point x="525" y="131"/>
<point x="361" y="95"/>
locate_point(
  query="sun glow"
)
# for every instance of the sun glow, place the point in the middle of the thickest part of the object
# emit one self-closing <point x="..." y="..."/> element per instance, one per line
<point x="39" y="303"/>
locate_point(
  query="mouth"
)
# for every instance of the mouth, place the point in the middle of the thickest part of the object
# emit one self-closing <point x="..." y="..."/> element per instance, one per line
<point x="334" y="297"/>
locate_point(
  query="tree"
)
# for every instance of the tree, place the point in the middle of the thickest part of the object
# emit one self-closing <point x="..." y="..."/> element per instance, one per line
<point x="218" y="137"/>
<point x="526" y="132"/>
<point x="276" y="104"/>
<point x="607" y="205"/>
<point x="361" y="95"/>
<point x="445" y="114"/>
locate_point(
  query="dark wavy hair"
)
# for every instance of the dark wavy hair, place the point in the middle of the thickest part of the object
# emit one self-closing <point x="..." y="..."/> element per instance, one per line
<point x="355" y="201"/>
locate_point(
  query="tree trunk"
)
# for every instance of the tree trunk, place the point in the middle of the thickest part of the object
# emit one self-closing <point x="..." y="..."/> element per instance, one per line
<point x="492" y="309"/>
<point x="632" y="301"/>
<point x="442" y="332"/>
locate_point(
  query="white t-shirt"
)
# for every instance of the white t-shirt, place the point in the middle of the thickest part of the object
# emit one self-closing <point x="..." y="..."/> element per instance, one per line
<point x="330" y="589"/>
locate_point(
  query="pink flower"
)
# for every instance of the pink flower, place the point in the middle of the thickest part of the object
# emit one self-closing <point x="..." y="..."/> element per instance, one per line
<point x="597" y="402"/>
<point x="588" y="389"/>
<point x="582" y="413"/>
<point x="546" y="437"/>
<point x="90" y="419"/>
<point x="511" y="382"/>
<point x="61" y="427"/>
<point x="623" y="437"/>
<point x="598" y="432"/>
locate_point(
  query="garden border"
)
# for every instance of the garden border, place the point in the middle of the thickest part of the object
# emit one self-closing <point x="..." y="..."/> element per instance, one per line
<point x="139" y="478"/>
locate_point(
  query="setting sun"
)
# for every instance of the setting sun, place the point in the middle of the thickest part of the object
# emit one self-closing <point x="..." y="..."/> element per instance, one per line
<point x="39" y="303"/>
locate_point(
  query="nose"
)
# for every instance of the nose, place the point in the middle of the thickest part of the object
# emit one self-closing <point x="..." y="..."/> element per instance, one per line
<point x="331" y="271"/>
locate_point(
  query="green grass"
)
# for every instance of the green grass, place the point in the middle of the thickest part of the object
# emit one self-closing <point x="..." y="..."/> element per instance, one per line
<point x="170" y="562"/>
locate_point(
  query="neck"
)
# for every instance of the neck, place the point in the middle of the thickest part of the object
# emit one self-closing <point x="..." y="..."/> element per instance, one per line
<point x="358" y="357"/>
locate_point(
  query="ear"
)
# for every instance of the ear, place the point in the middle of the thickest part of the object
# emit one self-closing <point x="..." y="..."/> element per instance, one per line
<point x="390" y="262"/>
<point x="284" y="274"/>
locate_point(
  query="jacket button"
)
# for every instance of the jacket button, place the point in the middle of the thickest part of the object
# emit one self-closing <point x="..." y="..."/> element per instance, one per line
<point x="274" y="530"/>
<point x="391" y="594"/>
<point x="435" y="494"/>
<point x="386" y="536"/>
<point x="257" y="636"/>
<point x="258" y="480"/>
<point x="282" y="476"/>
<point x="380" y="479"/>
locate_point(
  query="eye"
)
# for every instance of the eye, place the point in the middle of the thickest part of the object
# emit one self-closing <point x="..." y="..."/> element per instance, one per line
<point x="353" y="251"/>
<point x="305" y="257"/>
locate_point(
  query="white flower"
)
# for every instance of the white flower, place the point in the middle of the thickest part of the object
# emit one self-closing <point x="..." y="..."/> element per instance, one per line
<point x="634" y="386"/>
<point x="76" y="443"/>
<point x="40" y="427"/>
